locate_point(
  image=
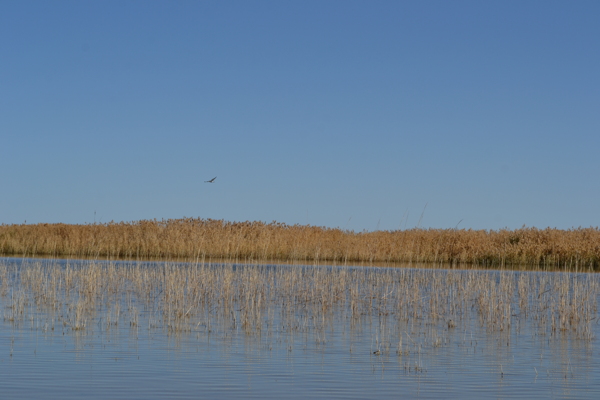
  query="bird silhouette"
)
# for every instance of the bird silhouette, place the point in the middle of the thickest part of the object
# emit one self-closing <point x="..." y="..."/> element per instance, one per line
<point x="211" y="181"/>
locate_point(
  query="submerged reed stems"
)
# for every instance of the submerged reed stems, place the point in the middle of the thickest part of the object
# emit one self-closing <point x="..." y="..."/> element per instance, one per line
<point x="269" y="299"/>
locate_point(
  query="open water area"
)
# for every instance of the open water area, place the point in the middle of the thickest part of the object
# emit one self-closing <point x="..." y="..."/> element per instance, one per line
<point x="72" y="329"/>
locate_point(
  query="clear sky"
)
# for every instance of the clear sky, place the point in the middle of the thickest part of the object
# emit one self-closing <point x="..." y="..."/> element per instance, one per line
<point x="360" y="115"/>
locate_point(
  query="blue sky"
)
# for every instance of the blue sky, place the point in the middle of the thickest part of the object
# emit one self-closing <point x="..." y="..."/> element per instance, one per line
<point x="361" y="115"/>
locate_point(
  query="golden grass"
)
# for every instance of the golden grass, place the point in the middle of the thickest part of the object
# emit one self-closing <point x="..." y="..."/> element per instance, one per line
<point x="216" y="239"/>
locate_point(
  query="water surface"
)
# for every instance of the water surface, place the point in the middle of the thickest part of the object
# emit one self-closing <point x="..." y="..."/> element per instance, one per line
<point x="140" y="351"/>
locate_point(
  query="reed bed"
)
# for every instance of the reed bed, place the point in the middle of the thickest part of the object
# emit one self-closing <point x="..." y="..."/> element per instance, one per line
<point x="276" y="301"/>
<point x="216" y="239"/>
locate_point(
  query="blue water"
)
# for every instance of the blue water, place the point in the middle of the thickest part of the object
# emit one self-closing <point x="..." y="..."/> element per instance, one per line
<point x="147" y="361"/>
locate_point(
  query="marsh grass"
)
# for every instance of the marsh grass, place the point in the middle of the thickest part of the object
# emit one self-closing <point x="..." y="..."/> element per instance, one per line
<point x="205" y="239"/>
<point x="410" y="310"/>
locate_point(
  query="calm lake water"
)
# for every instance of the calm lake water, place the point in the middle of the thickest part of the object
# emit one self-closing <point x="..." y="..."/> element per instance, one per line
<point x="133" y="351"/>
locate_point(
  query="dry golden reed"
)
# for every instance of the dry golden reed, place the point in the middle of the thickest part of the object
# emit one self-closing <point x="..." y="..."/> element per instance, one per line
<point x="218" y="239"/>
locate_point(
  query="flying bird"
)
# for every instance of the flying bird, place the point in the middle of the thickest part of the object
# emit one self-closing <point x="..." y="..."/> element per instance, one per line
<point x="211" y="181"/>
